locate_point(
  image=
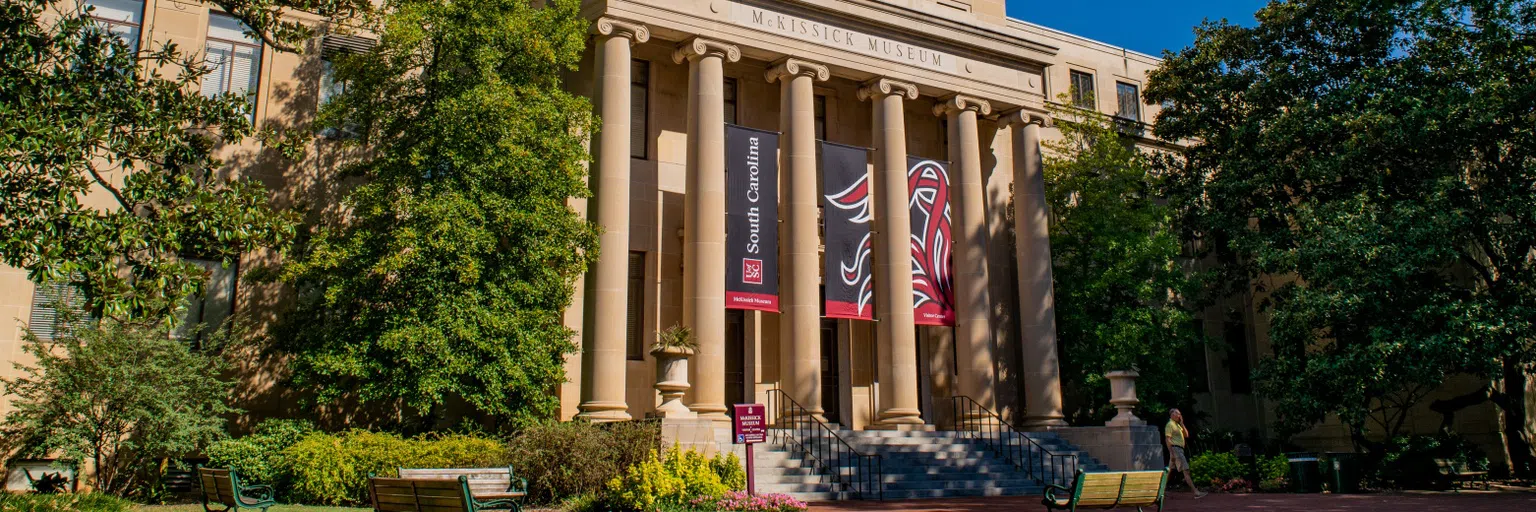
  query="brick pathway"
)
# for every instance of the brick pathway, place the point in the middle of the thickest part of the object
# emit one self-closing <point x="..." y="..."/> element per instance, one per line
<point x="1183" y="501"/>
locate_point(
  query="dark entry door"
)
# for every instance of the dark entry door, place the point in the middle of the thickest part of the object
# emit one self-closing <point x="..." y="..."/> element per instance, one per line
<point x="735" y="362"/>
<point x="831" y="400"/>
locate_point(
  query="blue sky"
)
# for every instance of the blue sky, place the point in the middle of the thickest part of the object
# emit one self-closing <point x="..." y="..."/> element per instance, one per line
<point x="1147" y="26"/>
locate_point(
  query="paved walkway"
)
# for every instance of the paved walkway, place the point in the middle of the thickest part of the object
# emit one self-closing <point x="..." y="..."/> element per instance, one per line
<point x="1184" y="502"/>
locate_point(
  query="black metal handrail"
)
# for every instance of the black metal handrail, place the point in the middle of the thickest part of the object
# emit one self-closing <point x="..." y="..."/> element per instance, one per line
<point x="1003" y="438"/>
<point x="861" y="474"/>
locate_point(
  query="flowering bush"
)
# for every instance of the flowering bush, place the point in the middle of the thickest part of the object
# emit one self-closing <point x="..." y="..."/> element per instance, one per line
<point x="1232" y="485"/>
<point x="737" y="501"/>
<point x="674" y="478"/>
<point x="1216" y="467"/>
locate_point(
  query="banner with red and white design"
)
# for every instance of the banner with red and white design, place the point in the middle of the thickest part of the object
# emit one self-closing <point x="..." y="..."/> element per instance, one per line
<point x="849" y="281"/>
<point x="933" y="298"/>
<point x="752" y="219"/>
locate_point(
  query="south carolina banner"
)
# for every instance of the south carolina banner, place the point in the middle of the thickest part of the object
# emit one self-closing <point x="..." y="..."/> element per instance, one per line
<point x="932" y="292"/>
<point x="849" y="277"/>
<point x="752" y="219"/>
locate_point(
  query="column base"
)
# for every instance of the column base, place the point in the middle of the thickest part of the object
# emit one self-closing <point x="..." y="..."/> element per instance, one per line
<point x="712" y="412"/>
<point x="1043" y="422"/>
<point x="603" y="412"/>
<point x="901" y="417"/>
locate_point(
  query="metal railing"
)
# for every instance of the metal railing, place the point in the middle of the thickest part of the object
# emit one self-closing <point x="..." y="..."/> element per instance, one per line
<point x="862" y="475"/>
<point x="1018" y="449"/>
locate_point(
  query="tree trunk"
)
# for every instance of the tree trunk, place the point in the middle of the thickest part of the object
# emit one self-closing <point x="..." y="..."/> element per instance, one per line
<point x="1516" y="422"/>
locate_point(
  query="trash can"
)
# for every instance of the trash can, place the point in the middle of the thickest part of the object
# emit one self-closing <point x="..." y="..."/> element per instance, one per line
<point x="1343" y="473"/>
<point x="1306" y="475"/>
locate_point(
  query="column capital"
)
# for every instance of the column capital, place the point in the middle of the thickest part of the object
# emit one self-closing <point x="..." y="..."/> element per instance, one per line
<point x="886" y="87"/>
<point x="1023" y="117"/>
<point x="959" y="103"/>
<point x="790" y="66"/>
<point x="699" y="47"/>
<point x="635" y="32"/>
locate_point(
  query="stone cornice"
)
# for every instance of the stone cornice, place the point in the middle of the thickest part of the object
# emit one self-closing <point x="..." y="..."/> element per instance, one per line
<point x="791" y="66"/>
<point x="697" y="47"/>
<point x="960" y="103"/>
<point x="635" y="32"/>
<point x="885" y="87"/>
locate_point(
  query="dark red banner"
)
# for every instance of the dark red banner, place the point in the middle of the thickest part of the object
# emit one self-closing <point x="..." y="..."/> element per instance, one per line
<point x="752" y="219"/>
<point x="933" y="298"/>
<point x="849" y="280"/>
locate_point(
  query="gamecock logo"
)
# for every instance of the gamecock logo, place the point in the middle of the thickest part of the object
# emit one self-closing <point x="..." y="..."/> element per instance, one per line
<point x="929" y="185"/>
<point x="856" y="273"/>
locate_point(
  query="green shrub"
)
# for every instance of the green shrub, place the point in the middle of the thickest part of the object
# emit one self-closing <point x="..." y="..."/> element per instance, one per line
<point x="730" y="470"/>
<point x="674" y="478"/>
<point x="258" y="458"/>
<point x="1272" y="468"/>
<point x="333" y="469"/>
<point x="1215" y="468"/>
<point x="565" y="460"/>
<point x="1409" y="461"/>
<point x="63" y="503"/>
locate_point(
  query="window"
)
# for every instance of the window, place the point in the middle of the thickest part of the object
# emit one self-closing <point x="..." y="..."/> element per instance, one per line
<point x="50" y="302"/>
<point x="635" y="319"/>
<point x="1237" y="358"/>
<point x="1195" y="361"/>
<point x="639" y="108"/>
<point x="122" y="17"/>
<point x="1082" y="90"/>
<point x="730" y="101"/>
<point x="332" y="47"/>
<point x="207" y="311"/>
<point x="234" y="58"/>
<point x="821" y="117"/>
<point x="1130" y="101"/>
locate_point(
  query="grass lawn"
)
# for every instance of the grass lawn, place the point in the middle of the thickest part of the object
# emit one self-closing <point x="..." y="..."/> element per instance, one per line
<point x="279" y="508"/>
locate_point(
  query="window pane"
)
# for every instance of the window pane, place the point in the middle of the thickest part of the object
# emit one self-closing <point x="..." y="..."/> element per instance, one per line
<point x="1082" y="90"/>
<point x="730" y="101"/>
<point x="635" y="318"/>
<point x="229" y="29"/>
<point x="1130" y="101"/>
<point x="639" y="121"/>
<point x="1237" y="358"/>
<point x="122" y="11"/>
<point x="215" y="304"/>
<point x="219" y="59"/>
<point x="47" y="302"/>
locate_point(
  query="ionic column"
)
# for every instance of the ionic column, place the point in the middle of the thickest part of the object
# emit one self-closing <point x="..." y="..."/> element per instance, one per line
<point x="1037" y="303"/>
<point x="800" y="319"/>
<point x="894" y="326"/>
<point x="603" y="345"/>
<point x="973" y="296"/>
<point x="704" y="219"/>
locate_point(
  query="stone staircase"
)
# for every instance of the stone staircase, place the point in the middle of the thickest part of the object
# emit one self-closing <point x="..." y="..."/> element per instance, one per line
<point x="915" y="465"/>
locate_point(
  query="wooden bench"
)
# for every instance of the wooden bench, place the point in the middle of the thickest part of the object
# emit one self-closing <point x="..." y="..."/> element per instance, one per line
<point x="1458" y="472"/>
<point x="485" y="484"/>
<point x="429" y="495"/>
<point x="1109" y="489"/>
<point x="223" y="487"/>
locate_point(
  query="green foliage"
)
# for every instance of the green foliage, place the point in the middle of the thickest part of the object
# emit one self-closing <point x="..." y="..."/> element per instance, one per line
<point x="1379" y="157"/>
<point x="732" y="473"/>
<point x="1409" y="461"/>
<point x="450" y="277"/>
<point x="333" y="469"/>
<point x="1216" y="468"/>
<point x="676" y="336"/>
<point x="576" y="458"/>
<point x="69" y="502"/>
<point x="1273" y="468"/>
<point x="120" y="395"/>
<point x="1121" y="294"/>
<point x="674" y="478"/>
<point x="258" y="458"/>
<point x="108" y="162"/>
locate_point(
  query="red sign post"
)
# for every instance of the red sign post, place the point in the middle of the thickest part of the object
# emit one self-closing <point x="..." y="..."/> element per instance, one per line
<point x="749" y="427"/>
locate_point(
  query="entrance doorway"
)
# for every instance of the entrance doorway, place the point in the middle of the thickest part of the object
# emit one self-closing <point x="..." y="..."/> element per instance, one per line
<point x="735" y="360"/>
<point x="831" y="398"/>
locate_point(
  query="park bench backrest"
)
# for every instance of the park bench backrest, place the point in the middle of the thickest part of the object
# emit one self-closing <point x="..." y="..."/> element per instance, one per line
<point x="1119" y="488"/>
<point x="218" y="486"/>
<point x="419" y="495"/>
<point x="482" y="481"/>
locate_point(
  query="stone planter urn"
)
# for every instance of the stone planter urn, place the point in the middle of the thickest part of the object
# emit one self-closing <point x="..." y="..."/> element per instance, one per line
<point x="672" y="380"/>
<point x="1122" y="393"/>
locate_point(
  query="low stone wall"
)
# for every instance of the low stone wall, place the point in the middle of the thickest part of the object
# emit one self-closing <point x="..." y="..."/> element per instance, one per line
<point x="1126" y="448"/>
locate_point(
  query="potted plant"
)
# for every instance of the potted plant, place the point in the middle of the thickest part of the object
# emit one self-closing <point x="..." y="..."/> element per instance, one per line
<point x="672" y="349"/>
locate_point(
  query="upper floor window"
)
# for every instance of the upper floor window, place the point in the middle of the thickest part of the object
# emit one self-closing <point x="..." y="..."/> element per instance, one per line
<point x="55" y="306"/>
<point x="634" y="320"/>
<point x="207" y="311"/>
<point x="730" y="101"/>
<point x="1130" y="101"/>
<point x="1082" y="90"/>
<point x="821" y="117"/>
<point x="125" y="18"/>
<point x="234" y="58"/>
<point x="639" y="108"/>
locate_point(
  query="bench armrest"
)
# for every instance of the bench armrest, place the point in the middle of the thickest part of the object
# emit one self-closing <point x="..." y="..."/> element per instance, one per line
<point x="264" y="491"/>
<point x="502" y="503"/>
<point x="1050" y="491"/>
